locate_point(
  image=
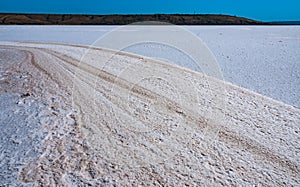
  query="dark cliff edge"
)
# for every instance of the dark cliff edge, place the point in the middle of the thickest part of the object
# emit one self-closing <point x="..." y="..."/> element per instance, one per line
<point x="75" y="19"/>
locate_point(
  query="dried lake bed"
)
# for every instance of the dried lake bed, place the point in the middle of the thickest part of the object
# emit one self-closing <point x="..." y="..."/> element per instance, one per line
<point x="115" y="118"/>
<point x="264" y="59"/>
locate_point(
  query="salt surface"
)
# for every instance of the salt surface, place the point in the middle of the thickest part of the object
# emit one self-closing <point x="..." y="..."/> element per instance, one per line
<point x="264" y="59"/>
<point x="205" y="131"/>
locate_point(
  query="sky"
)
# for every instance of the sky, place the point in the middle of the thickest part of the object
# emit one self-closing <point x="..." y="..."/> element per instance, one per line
<point x="262" y="10"/>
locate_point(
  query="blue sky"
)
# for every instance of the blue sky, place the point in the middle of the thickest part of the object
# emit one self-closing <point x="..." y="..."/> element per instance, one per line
<point x="265" y="10"/>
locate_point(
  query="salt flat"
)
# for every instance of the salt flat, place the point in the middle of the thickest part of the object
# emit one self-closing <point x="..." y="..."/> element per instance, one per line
<point x="264" y="59"/>
<point x="114" y="118"/>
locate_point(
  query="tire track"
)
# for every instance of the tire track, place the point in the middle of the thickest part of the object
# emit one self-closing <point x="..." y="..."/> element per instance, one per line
<point x="224" y="133"/>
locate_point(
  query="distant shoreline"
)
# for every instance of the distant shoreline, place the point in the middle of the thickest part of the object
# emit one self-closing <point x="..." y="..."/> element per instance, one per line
<point x="118" y="19"/>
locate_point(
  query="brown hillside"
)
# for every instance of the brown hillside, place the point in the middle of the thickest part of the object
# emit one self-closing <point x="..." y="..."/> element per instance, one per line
<point x="178" y="19"/>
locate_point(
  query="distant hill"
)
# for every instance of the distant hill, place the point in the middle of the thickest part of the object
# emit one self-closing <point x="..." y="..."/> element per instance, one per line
<point x="178" y="19"/>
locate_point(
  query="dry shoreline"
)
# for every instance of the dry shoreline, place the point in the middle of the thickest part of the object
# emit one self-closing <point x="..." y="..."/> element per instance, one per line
<point x="128" y="120"/>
